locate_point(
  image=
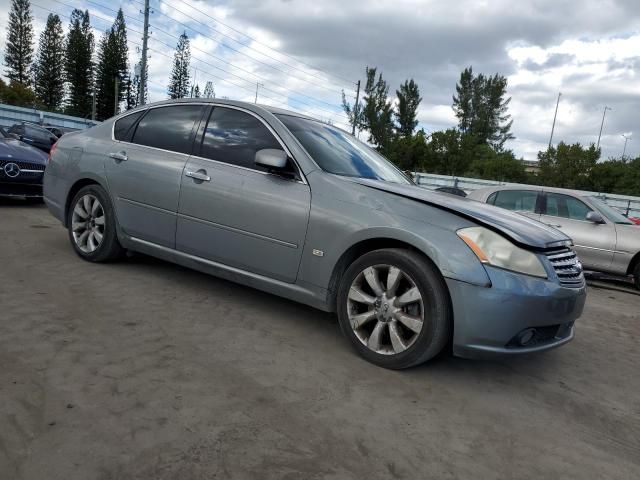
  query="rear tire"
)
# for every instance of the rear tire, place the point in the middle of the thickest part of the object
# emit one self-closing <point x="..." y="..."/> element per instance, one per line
<point x="394" y="307"/>
<point x="92" y="225"/>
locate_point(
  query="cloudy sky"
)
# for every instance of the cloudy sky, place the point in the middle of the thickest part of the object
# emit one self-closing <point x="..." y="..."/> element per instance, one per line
<point x="303" y="53"/>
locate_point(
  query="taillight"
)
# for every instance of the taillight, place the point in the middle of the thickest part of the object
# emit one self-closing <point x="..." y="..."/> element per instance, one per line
<point x="52" y="151"/>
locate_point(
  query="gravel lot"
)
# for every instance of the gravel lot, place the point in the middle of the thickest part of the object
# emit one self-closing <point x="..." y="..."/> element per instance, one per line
<point x="146" y="370"/>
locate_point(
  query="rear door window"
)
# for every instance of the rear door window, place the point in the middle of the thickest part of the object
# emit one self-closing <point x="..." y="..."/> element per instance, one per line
<point x="169" y="128"/>
<point x="516" y="200"/>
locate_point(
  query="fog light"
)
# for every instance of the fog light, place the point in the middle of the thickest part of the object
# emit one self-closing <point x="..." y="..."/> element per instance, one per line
<point x="526" y="336"/>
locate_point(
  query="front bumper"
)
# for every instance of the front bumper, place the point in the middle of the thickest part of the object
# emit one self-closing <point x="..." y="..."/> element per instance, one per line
<point x="21" y="188"/>
<point x="493" y="321"/>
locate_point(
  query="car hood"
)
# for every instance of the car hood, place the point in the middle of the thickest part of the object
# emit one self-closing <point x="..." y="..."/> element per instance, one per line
<point x="12" y="149"/>
<point x="518" y="228"/>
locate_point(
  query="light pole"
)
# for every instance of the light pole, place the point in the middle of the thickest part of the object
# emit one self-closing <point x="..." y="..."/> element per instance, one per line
<point x="258" y="84"/>
<point x="624" y="150"/>
<point x="554" y="120"/>
<point x="604" y="112"/>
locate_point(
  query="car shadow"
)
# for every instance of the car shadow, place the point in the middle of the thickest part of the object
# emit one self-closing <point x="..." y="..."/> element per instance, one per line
<point x="13" y="202"/>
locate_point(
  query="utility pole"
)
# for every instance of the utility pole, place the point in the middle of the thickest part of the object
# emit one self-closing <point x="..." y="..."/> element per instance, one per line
<point x="554" y="120"/>
<point x="145" y="36"/>
<point x="624" y="150"/>
<point x="258" y="84"/>
<point x="116" y="85"/>
<point x="355" y="111"/>
<point x="602" y="124"/>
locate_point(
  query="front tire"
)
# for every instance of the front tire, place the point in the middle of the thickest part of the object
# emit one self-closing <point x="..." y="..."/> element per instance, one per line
<point x="394" y="307"/>
<point x="92" y="225"/>
<point x="636" y="276"/>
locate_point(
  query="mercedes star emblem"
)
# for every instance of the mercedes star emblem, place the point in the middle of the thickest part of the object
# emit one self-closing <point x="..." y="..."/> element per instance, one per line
<point x="11" y="170"/>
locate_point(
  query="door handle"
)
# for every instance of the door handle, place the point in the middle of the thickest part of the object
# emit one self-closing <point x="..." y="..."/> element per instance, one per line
<point x="554" y="226"/>
<point x="119" y="156"/>
<point x="199" y="175"/>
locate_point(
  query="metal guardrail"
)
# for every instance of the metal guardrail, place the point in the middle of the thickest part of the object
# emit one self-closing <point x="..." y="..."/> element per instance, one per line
<point x="10" y="114"/>
<point x="628" y="205"/>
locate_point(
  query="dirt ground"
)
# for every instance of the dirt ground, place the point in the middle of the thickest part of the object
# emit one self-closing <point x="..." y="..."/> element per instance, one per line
<point x="146" y="370"/>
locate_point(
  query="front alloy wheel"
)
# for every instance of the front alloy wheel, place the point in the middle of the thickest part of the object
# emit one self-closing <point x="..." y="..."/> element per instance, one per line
<point x="394" y="306"/>
<point x="385" y="309"/>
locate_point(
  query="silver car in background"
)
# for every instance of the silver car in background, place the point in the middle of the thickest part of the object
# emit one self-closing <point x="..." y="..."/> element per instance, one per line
<point x="298" y="208"/>
<point x="605" y="240"/>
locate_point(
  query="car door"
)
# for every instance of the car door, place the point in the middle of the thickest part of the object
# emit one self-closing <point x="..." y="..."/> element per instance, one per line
<point x="594" y="242"/>
<point x="144" y="166"/>
<point x="525" y="202"/>
<point x="235" y="212"/>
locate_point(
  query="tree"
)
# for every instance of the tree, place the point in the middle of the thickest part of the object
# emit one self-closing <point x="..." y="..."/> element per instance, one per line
<point x="492" y="165"/>
<point x="196" y="91"/>
<point x="49" y="66"/>
<point x="481" y="108"/>
<point x="568" y="166"/>
<point x="354" y="113"/>
<point x="179" y="83"/>
<point x="79" y="65"/>
<point x="406" y="114"/>
<point x="377" y="111"/>
<point x="112" y="68"/>
<point x="19" y="49"/>
<point x="18" y="94"/>
<point x="209" y="91"/>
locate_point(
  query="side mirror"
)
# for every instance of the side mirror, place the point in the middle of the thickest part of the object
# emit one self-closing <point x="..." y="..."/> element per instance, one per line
<point x="594" y="217"/>
<point x="271" y="158"/>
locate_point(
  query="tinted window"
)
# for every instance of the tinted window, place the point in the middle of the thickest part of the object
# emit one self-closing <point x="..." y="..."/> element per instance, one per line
<point x="168" y="128"/>
<point x="559" y="205"/>
<point x="517" y="200"/>
<point x="122" y="127"/>
<point x="335" y="151"/>
<point x="234" y="137"/>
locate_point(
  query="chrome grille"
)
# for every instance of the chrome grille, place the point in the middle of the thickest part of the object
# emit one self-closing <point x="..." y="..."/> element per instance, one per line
<point x="567" y="267"/>
<point x="24" y="165"/>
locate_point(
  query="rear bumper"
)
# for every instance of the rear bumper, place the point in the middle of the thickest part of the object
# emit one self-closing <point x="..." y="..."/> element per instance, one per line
<point x="496" y="321"/>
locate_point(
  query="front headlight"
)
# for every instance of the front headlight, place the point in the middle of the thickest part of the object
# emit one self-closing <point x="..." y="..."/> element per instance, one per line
<point x="496" y="250"/>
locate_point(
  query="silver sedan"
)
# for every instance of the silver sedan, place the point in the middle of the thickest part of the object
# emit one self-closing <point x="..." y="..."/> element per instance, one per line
<point x="298" y="208"/>
<point x="606" y="241"/>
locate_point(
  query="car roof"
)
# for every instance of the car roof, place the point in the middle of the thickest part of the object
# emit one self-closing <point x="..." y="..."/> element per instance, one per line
<point x="539" y="188"/>
<point x="223" y="101"/>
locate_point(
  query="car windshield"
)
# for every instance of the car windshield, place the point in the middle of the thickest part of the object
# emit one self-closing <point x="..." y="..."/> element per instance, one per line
<point x="335" y="151"/>
<point x="610" y="212"/>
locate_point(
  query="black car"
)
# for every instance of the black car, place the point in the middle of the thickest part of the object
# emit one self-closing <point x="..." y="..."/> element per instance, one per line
<point x="21" y="168"/>
<point x="34" y="135"/>
<point x="452" y="191"/>
<point x="59" y="131"/>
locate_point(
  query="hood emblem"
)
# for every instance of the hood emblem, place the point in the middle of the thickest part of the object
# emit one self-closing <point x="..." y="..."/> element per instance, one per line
<point x="11" y="170"/>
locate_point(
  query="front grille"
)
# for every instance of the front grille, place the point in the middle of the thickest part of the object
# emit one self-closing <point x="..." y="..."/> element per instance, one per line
<point x="23" y="165"/>
<point x="567" y="267"/>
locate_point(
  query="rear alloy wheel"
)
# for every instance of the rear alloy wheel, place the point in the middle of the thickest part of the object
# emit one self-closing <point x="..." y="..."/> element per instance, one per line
<point x="92" y="227"/>
<point x="395" y="308"/>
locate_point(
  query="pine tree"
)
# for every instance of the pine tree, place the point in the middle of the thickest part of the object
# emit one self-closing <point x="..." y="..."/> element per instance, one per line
<point x="79" y="65"/>
<point x="209" y="91"/>
<point x="19" y="49"/>
<point x="112" y="68"/>
<point x="49" y="66"/>
<point x="179" y="83"/>
<point x="481" y="108"/>
<point x="408" y="101"/>
<point x="377" y="110"/>
<point x="196" y="91"/>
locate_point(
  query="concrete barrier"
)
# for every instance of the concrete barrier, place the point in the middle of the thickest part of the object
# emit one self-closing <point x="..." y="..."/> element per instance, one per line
<point x="10" y="114"/>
